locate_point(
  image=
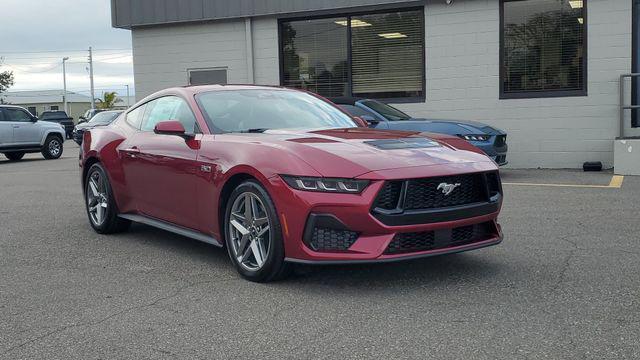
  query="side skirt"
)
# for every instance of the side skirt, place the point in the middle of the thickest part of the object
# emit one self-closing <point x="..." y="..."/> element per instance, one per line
<point x="172" y="228"/>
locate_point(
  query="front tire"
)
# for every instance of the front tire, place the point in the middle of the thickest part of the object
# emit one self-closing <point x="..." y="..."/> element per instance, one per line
<point x="14" y="156"/>
<point x="253" y="234"/>
<point x="53" y="147"/>
<point x="100" y="204"/>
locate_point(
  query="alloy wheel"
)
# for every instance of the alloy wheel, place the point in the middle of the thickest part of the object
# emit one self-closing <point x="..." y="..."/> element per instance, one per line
<point x="54" y="147"/>
<point x="249" y="231"/>
<point x="97" y="198"/>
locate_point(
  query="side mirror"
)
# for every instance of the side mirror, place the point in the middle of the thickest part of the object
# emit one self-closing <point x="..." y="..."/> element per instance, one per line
<point x="370" y="119"/>
<point x="360" y="122"/>
<point x="172" y="127"/>
<point x="34" y="119"/>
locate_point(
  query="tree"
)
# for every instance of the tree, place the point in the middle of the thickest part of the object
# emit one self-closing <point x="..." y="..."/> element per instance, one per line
<point x="6" y="81"/>
<point x="109" y="100"/>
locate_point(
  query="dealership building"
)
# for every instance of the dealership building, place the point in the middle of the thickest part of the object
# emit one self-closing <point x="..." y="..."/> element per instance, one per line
<point x="548" y="72"/>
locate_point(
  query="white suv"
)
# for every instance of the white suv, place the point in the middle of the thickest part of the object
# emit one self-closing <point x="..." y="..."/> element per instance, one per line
<point x="21" y="133"/>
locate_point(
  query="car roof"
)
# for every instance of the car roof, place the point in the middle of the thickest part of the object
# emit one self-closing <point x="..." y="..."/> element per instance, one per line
<point x="11" y="106"/>
<point x="196" y="89"/>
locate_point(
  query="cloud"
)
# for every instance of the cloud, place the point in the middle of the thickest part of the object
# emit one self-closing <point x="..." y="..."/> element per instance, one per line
<point x="63" y="28"/>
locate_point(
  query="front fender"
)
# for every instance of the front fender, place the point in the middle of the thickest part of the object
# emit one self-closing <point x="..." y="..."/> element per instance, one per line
<point x="48" y="132"/>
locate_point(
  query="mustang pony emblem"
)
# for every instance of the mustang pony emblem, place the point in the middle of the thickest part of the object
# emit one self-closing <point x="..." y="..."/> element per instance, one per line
<point x="447" y="188"/>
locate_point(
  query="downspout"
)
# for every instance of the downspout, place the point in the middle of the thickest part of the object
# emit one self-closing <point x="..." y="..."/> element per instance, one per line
<point x="248" y="36"/>
<point x="635" y="59"/>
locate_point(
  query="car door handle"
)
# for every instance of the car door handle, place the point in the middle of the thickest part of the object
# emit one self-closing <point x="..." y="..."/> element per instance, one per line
<point x="16" y="126"/>
<point x="131" y="152"/>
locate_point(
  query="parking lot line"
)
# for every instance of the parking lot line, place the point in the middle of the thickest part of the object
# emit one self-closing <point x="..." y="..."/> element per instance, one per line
<point x="615" y="183"/>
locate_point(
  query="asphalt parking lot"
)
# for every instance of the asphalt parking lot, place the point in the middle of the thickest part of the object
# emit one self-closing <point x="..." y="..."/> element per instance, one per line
<point x="565" y="283"/>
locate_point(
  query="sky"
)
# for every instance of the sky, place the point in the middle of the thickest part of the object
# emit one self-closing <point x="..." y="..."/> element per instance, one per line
<point x="39" y="33"/>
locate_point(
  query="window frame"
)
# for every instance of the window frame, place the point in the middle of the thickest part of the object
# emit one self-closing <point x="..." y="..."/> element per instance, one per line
<point x="543" y="93"/>
<point x="348" y="16"/>
<point x="196" y="127"/>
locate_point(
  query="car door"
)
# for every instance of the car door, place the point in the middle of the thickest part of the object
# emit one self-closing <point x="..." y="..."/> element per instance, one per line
<point x="162" y="169"/>
<point x="6" y="130"/>
<point x="26" y="131"/>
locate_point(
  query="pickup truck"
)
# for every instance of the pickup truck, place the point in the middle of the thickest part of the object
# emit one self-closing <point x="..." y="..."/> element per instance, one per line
<point x="61" y="118"/>
<point x="21" y="133"/>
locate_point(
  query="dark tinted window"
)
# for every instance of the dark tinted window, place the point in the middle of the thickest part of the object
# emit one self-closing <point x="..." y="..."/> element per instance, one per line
<point x="53" y="114"/>
<point x="2" y="115"/>
<point x="314" y="54"/>
<point x="208" y="77"/>
<point x="356" y="111"/>
<point x="386" y="59"/>
<point x="12" y="114"/>
<point x="168" y="108"/>
<point x="387" y="54"/>
<point x="242" y="110"/>
<point x="104" y="118"/>
<point x="134" y="117"/>
<point x="389" y="112"/>
<point x="543" y="46"/>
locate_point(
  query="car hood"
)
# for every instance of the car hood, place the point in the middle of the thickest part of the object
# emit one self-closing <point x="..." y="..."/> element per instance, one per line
<point x="453" y="127"/>
<point x="356" y="151"/>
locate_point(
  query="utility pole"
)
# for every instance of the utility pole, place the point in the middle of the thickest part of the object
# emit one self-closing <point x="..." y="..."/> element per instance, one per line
<point x="64" y="83"/>
<point x="127" y="95"/>
<point x="93" y="95"/>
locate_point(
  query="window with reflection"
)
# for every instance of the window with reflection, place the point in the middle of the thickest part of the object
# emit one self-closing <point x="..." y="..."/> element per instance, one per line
<point x="378" y="55"/>
<point x="543" y="48"/>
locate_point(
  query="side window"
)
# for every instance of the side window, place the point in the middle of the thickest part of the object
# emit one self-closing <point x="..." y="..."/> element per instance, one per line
<point x="134" y="117"/>
<point x="2" y="115"/>
<point x="168" y="108"/>
<point x="16" y="115"/>
<point x="356" y="111"/>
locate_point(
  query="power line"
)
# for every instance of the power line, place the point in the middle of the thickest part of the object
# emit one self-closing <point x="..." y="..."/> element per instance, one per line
<point x="60" y="51"/>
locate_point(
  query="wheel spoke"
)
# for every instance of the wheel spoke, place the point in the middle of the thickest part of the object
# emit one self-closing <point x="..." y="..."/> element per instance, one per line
<point x="246" y="254"/>
<point x="93" y="186"/>
<point x="248" y="208"/>
<point x="263" y="231"/>
<point x="243" y="231"/>
<point x="100" y="214"/>
<point x="257" y="254"/>
<point x="238" y="217"/>
<point x="260" y="221"/>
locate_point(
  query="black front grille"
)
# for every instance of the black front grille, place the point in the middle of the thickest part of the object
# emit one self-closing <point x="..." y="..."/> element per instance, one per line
<point x="440" y="239"/>
<point x="411" y="242"/>
<point x="324" y="239"/>
<point x="429" y="193"/>
<point x="389" y="195"/>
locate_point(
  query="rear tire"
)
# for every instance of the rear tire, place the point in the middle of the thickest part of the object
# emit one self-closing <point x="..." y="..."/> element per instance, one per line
<point x="14" y="156"/>
<point x="100" y="204"/>
<point x="53" y="147"/>
<point x="269" y="265"/>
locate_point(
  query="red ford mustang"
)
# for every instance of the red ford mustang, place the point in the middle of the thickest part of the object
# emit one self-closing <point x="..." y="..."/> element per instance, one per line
<point x="279" y="176"/>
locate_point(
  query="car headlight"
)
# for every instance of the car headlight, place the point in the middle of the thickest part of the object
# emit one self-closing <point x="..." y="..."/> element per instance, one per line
<point x="476" y="137"/>
<point x="321" y="184"/>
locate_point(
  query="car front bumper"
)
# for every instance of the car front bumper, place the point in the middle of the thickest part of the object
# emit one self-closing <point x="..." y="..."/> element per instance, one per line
<point x="496" y="153"/>
<point x="353" y="213"/>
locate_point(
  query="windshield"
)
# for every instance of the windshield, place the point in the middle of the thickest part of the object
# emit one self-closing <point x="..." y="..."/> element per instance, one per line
<point x="104" y="118"/>
<point x="390" y="113"/>
<point x="53" y="114"/>
<point x="262" y="109"/>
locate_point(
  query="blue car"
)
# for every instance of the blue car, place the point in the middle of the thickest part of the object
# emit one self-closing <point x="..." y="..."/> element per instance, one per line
<point x="382" y="116"/>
